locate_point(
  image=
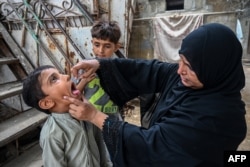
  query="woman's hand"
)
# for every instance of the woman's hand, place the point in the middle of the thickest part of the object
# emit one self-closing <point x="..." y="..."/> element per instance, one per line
<point x="84" y="110"/>
<point x="84" y="81"/>
<point x="88" y="66"/>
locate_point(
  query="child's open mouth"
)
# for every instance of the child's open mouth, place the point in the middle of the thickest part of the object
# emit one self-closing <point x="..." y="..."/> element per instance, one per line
<point x="74" y="91"/>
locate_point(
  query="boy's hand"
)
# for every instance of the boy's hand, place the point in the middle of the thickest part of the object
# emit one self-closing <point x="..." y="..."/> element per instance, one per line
<point x="89" y="67"/>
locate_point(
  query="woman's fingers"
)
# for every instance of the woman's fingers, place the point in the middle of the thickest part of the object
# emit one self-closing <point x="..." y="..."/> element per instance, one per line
<point x="81" y="109"/>
<point x="76" y="108"/>
<point x="84" y="110"/>
<point x="73" y="100"/>
<point x="88" y="66"/>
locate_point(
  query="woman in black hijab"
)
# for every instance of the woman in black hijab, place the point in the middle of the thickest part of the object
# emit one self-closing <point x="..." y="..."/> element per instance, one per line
<point x="200" y="113"/>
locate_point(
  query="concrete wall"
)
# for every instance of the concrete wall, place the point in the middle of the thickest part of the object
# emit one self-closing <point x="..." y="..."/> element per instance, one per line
<point x="222" y="11"/>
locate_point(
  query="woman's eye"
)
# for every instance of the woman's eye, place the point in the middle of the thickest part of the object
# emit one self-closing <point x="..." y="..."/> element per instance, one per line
<point x="189" y="66"/>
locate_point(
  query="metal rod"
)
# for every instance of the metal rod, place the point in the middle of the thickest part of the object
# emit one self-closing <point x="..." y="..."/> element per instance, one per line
<point x="63" y="31"/>
<point x="24" y="29"/>
<point x="184" y="14"/>
<point x="50" y="56"/>
<point x="37" y="32"/>
<point x="47" y="32"/>
<point x="84" y="11"/>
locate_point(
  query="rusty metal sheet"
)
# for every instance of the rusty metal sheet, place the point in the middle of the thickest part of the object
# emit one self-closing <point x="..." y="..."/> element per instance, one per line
<point x="82" y="37"/>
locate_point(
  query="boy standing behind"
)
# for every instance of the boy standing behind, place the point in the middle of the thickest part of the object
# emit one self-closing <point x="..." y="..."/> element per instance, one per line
<point x="105" y="42"/>
<point x="105" y="38"/>
<point x="65" y="141"/>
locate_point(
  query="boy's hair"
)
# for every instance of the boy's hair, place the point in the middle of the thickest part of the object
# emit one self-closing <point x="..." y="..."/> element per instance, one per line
<point x="106" y="30"/>
<point x="32" y="91"/>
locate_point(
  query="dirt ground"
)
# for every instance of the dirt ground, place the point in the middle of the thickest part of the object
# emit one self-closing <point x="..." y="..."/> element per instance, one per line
<point x="134" y="116"/>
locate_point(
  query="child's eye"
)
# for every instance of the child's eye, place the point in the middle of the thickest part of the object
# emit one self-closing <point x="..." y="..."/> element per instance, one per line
<point x="96" y="45"/>
<point x="62" y="73"/>
<point x="53" y="79"/>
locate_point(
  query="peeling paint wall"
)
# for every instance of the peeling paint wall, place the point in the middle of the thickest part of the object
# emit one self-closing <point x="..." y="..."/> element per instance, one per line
<point x="222" y="11"/>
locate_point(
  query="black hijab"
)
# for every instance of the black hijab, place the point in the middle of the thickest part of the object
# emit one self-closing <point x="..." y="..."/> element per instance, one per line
<point x="215" y="53"/>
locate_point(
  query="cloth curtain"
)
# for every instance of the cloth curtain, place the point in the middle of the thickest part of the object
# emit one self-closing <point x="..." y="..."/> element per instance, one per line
<point x="169" y="32"/>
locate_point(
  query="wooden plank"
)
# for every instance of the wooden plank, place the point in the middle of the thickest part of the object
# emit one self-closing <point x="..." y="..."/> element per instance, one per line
<point x="7" y="112"/>
<point x="10" y="89"/>
<point x="17" y="51"/>
<point x="29" y="158"/>
<point x="20" y="124"/>
<point x="16" y="68"/>
<point x="8" y="60"/>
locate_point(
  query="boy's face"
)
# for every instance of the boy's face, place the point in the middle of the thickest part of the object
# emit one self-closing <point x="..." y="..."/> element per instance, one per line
<point x="55" y="85"/>
<point x="104" y="48"/>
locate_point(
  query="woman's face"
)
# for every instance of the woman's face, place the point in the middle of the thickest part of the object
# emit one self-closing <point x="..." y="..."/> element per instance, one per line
<point x="188" y="76"/>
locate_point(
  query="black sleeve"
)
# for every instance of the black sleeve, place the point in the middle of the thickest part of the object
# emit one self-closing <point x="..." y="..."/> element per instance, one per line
<point x="111" y="134"/>
<point x="125" y="79"/>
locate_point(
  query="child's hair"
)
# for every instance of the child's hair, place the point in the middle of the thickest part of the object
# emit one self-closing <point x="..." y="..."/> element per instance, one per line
<point x="106" y="30"/>
<point x="32" y="91"/>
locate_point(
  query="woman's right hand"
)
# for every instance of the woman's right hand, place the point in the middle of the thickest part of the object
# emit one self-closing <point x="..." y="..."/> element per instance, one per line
<point x="84" y="110"/>
<point x="89" y="67"/>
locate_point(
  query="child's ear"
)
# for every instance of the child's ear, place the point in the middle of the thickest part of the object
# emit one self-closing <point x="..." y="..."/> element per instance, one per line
<point x="46" y="103"/>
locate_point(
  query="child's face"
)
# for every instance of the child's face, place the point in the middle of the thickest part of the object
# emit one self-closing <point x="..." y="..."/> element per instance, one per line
<point x="55" y="85"/>
<point x="104" y="48"/>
